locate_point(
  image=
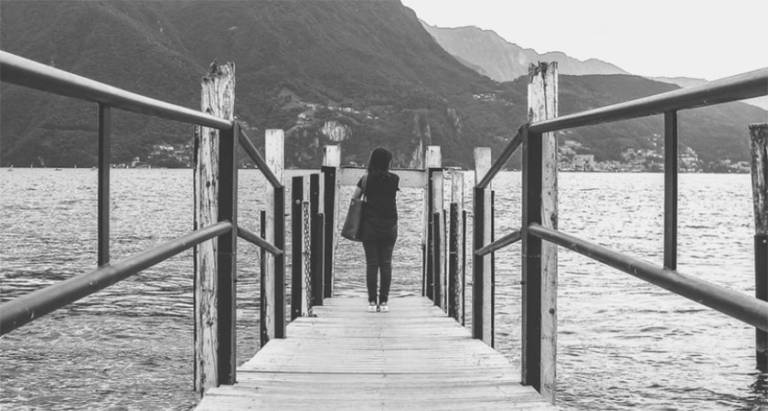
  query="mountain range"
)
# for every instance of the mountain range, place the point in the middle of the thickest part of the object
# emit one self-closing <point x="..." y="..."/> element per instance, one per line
<point x="489" y="54"/>
<point x="501" y="60"/>
<point x="359" y="74"/>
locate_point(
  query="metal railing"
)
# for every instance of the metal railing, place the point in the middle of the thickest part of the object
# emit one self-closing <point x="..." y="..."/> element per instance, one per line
<point x="536" y="369"/>
<point x="13" y="314"/>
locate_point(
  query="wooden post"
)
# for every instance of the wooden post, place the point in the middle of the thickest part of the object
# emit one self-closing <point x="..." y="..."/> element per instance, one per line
<point x="316" y="239"/>
<point x="464" y="267"/>
<point x="434" y="204"/>
<point x="540" y="258"/>
<point x="214" y="185"/>
<point x="331" y="163"/>
<point x="297" y="246"/>
<point x="274" y="146"/>
<point x="759" y="150"/>
<point x="482" y="278"/>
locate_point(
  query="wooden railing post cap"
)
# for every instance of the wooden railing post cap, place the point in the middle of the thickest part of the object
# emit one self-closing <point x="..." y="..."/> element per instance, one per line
<point x="540" y="67"/>
<point x="217" y="70"/>
<point x="759" y="130"/>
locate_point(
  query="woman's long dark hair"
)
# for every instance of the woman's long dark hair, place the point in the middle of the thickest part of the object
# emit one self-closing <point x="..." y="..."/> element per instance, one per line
<point x="378" y="164"/>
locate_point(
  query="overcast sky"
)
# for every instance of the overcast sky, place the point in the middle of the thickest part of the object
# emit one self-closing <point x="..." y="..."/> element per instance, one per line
<point x="704" y="39"/>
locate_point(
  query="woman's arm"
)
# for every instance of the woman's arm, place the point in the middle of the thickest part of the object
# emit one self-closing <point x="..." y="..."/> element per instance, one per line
<point x="358" y="193"/>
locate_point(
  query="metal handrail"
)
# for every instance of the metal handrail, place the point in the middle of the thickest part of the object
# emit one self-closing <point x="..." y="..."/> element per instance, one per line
<point x="26" y="308"/>
<point x="738" y="87"/>
<point x="504" y="157"/>
<point x="254" y="154"/>
<point x="28" y="73"/>
<point x="253" y="238"/>
<point x="502" y="242"/>
<point x="728" y="301"/>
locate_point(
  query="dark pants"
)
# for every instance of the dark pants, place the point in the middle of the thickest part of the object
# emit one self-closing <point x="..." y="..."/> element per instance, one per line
<point x="378" y="257"/>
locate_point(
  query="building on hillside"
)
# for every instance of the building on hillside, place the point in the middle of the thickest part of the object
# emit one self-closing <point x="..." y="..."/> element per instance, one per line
<point x="583" y="162"/>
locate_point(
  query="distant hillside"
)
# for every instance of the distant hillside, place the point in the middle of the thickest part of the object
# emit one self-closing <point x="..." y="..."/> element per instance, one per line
<point x="363" y="72"/>
<point x="501" y="60"/>
<point x="715" y="133"/>
<point x="355" y="73"/>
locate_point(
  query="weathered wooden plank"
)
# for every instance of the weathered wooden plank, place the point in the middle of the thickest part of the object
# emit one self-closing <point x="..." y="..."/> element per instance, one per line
<point x="414" y="357"/>
<point x="542" y="105"/>
<point x="217" y="98"/>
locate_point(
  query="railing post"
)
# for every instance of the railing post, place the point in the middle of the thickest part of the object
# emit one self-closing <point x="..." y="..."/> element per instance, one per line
<point x="263" y="334"/>
<point x="227" y="258"/>
<point x="317" y="243"/>
<point x="482" y="270"/>
<point x="105" y="138"/>
<point x="215" y="180"/>
<point x="297" y="245"/>
<point x="331" y="163"/>
<point x="464" y="214"/>
<point x="759" y="148"/>
<point x="433" y="204"/>
<point x="670" y="190"/>
<point x="539" y="312"/>
<point x="274" y="155"/>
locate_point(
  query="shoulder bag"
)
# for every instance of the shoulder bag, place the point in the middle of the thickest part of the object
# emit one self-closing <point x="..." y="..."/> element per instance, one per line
<point x="354" y="220"/>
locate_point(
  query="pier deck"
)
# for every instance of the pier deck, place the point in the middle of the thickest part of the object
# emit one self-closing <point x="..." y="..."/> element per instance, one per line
<point x="414" y="357"/>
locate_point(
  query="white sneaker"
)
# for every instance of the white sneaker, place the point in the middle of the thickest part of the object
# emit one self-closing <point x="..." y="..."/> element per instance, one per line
<point x="372" y="308"/>
<point x="384" y="307"/>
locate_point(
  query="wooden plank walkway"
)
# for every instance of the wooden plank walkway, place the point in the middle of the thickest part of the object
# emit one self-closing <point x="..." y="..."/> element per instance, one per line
<point x="414" y="357"/>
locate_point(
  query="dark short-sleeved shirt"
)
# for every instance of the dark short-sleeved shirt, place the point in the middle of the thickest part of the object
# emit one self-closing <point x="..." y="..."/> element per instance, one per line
<point x="380" y="215"/>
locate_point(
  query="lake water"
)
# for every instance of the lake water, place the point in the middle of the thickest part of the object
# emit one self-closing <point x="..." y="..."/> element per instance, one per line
<point x="622" y="343"/>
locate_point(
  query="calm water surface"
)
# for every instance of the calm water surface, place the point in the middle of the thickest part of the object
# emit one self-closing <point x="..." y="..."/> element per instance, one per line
<point x="622" y="343"/>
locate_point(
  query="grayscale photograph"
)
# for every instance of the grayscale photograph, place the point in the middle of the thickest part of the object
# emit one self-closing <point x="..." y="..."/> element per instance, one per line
<point x="383" y="205"/>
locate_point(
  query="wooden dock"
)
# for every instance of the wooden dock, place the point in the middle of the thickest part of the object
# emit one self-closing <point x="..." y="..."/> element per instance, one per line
<point x="414" y="357"/>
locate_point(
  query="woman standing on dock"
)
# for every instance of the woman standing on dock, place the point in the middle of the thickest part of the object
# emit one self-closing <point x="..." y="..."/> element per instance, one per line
<point x="379" y="225"/>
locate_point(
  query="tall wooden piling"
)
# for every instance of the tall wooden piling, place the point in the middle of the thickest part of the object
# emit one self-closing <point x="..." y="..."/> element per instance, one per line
<point x="482" y="266"/>
<point x="274" y="153"/>
<point x="330" y="168"/>
<point x="759" y="149"/>
<point x="539" y="310"/>
<point x="215" y="181"/>
<point x="433" y="204"/>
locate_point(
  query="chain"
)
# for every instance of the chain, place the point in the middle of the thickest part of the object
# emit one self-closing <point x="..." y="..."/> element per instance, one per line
<point x="307" y="256"/>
